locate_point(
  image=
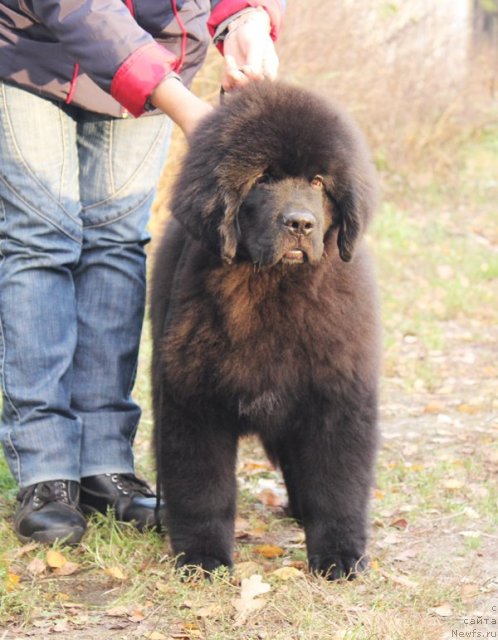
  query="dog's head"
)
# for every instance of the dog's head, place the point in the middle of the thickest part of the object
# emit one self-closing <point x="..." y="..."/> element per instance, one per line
<point x="274" y="173"/>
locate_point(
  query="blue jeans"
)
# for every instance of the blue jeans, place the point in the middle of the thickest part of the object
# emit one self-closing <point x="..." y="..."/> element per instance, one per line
<point x="75" y="196"/>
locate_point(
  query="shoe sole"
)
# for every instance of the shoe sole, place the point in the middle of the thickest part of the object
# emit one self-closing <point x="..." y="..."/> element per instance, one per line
<point x="54" y="535"/>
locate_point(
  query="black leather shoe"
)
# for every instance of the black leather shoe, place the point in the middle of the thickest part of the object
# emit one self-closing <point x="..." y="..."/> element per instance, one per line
<point x="130" y="497"/>
<point x="49" y="511"/>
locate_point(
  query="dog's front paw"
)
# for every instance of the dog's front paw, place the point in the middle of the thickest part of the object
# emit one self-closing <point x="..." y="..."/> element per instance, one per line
<point x="334" y="566"/>
<point x="190" y="564"/>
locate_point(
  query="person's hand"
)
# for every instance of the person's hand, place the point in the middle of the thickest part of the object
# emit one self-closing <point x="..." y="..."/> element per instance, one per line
<point x="180" y="104"/>
<point x="248" y="50"/>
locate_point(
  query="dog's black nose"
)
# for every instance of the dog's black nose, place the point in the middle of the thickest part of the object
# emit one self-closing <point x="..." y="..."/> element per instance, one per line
<point x="299" y="223"/>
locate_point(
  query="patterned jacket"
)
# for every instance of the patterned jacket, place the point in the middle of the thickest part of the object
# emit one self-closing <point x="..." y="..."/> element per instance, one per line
<point x="108" y="55"/>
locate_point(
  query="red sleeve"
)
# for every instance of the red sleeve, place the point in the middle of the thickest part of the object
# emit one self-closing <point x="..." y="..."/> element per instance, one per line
<point x="226" y="8"/>
<point x="140" y="74"/>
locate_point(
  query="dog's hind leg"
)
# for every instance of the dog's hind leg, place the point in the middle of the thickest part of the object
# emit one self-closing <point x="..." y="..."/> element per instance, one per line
<point x="196" y="461"/>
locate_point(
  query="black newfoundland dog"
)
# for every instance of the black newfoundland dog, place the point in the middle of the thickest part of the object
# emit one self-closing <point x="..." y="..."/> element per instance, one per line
<point x="265" y="320"/>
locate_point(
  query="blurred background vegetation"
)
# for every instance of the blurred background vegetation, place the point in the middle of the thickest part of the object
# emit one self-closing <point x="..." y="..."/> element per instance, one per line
<point x="420" y="77"/>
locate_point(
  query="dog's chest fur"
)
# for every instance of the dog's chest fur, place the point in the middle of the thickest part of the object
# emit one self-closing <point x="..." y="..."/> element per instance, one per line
<point x="258" y="344"/>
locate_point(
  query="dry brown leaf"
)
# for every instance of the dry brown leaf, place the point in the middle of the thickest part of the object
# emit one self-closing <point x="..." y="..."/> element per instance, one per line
<point x="269" y="551"/>
<point x="136" y="615"/>
<point x="443" y="610"/>
<point x="400" y="580"/>
<point x="55" y="559"/>
<point x="209" y="611"/>
<point x="270" y="498"/>
<point x="469" y="592"/>
<point x="241" y="527"/>
<point x="193" y="629"/>
<point x="61" y="626"/>
<point x="251" y="467"/>
<point x="67" y="569"/>
<point x="36" y="567"/>
<point x="399" y="523"/>
<point x="117" y="612"/>
<point x="469" y="409"/>
<point x="154" y="635"/>
<point x="115" y="572"/>
<point x="434" y="407"/>
<point x="27" y="548"/>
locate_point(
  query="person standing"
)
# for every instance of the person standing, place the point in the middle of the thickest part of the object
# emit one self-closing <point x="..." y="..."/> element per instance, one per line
<point x="88" y="92"/>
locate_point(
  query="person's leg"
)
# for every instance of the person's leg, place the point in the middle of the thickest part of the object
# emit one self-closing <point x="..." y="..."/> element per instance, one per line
<point x="120" y="165"/>
<point x="40" y="243"/>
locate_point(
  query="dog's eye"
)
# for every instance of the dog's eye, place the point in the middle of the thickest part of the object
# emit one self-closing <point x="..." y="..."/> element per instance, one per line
<point x="317" y="182"/>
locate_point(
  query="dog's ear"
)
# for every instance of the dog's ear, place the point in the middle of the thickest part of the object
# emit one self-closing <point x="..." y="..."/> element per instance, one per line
<point x="204" y="201"/>
<point x="350" y="224"/>
<point x="354" y="197"/>
<point x="227" y="230"/>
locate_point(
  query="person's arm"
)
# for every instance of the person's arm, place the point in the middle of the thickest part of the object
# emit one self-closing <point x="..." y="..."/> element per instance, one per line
<point x="182" y="106"/>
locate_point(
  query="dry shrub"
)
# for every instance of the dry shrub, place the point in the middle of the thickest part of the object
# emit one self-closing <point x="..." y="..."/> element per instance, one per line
<point x="410" y="72"/>
<point x="406" y="70"/>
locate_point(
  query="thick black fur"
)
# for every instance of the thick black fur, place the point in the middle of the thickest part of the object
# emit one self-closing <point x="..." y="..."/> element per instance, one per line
<point x="265" y="320"/>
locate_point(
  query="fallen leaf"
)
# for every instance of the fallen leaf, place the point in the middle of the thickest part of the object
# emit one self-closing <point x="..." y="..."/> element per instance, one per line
<point x="251" y="467"/>
<point x="136" y="615"/>
<point x="269" y="550"/>
<point x="193" y="629"/>
<point x="443" y="610"/>
<point x="36" y="567"/>
<point x="115" y="572"/>
<point x="27" y="548"/>
<point x="453" y="485"/>
<point x="399" y="579"/>
<point x="469" y="409"/>
<point x="67" y="569"/>
<point x="469" y="592"/>
<point x="154" y="635"/>
<point x="60" y="626"/>
<point x="399" y="523"/>
<point x="287" y="573"/>
<point x="12" y="581"/>
<point x="55" y="559"/>
<point x="434" y="407"/>
<point x="406" y="554"/>
<point x="248" y="601"/>
<point x="270" y="498"/>
<point x="210" y="611"/>
<point x="117" y="612"/>
<point x="241" y="527"/>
